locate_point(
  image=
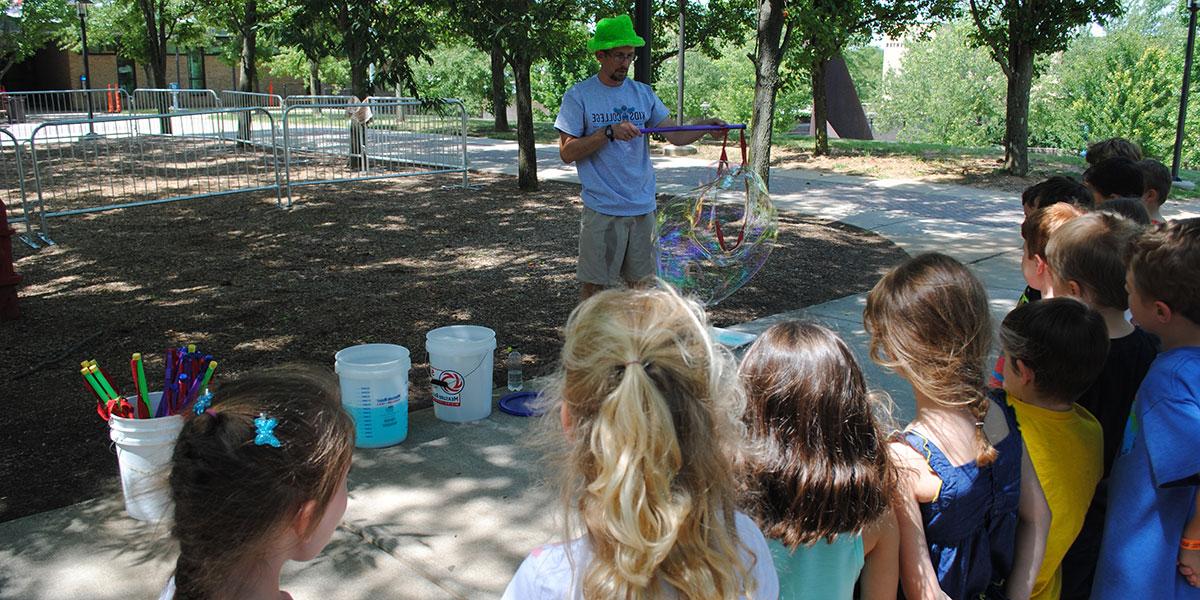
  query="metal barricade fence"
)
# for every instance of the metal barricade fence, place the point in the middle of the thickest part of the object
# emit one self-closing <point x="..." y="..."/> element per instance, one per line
<point x="165" y="100"/>
<point x="134" y="162"/>
<point x="401" y="138"/>
<point x="302" y="100"/>
<point x="12" y="186"/>
<point x="234" y="98"/>
<point x="48" y="105"/>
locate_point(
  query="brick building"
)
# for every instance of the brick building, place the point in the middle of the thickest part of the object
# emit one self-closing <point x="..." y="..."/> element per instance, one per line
<point x="55" y="69"/>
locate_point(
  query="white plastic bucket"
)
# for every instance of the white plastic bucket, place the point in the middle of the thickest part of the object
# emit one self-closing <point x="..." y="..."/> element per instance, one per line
<point x="144" y="448"/>
<point x="460" y="369"/>
<point x="374" y="383"/>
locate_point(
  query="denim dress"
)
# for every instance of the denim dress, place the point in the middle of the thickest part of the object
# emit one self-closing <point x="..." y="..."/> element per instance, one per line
<point x="971" y="526"/>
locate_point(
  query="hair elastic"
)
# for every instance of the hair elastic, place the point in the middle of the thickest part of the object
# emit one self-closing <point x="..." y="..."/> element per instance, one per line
<point x="1188" y="544"/>
<point x="264" y="431"/>
<point x="203" y="403"/>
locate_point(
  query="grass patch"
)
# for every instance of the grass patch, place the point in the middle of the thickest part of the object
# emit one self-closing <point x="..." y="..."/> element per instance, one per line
<point x="543" y="131"/>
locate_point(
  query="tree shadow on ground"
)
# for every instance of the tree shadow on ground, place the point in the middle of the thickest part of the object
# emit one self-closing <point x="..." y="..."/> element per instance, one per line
<point x="257" y="286"/>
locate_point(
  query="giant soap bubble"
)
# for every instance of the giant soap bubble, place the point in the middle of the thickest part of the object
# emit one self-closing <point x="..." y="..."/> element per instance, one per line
<point x="714" y="238"/>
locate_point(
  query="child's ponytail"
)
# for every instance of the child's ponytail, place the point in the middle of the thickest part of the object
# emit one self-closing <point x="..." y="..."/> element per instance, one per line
<point x="652" y="410"/>
<point x="987" y="452"/>
<point x="637" y="458"/>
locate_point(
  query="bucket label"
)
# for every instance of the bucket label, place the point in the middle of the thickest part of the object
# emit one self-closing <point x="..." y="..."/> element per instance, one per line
<point x="447" y="387"/>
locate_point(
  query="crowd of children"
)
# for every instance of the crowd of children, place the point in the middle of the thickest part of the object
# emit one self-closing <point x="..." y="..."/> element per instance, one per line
<point x="1073" y="474"/>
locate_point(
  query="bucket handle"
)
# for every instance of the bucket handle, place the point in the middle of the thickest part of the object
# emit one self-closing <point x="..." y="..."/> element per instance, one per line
<point x="442" y="384"/>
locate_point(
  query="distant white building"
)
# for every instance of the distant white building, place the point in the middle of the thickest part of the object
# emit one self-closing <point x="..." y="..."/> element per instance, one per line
<point x="893" y="53"/>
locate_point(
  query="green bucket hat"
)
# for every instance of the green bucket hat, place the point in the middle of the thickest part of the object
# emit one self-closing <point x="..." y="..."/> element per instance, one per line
<point x="614" y="32"/>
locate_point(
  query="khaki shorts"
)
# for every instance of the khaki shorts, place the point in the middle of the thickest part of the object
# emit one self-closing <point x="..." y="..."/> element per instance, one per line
<point x="613" y="250"/>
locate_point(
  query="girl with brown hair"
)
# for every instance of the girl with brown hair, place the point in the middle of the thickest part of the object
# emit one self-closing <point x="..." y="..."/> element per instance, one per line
<point x="972" y="515"/>
<point x="822" y="481"/>
<point x="650" y="411"/>
<point x="258" y="478"/>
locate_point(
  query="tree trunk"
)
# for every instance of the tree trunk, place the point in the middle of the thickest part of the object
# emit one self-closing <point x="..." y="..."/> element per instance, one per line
<point x="360" y="85"/>
<point x="314" y="77"/>
<point x="526" y="150"/>
<point x="768" y="51"/>
<point x="1016" y="120"/>
<point x="248" y="74"/>
<point x="819" y="121"/>
<point x="358" y="132"/>
<point x="499" y="88"/>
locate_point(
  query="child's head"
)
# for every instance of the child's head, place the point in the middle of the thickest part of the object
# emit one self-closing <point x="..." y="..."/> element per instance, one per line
<point x="1055" y="348"/>
<point x="929" y="321"/>
<point x="1156" y="179"/>
<point x="1164" y="266"/>
<point x="1103" y="150"/>
<point x="1116" y="177"/>
<point x="823" y="469"/>
<point x="1130" y="208"/>
<point x="651" y="410"/>
<point x="1059" y="188"/>
<point x="239" y="502"/>
<point x="1036" y="230"/>
<point x="1086" y="259"/>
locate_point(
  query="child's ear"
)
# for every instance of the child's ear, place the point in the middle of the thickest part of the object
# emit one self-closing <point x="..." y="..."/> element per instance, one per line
<point x="1023" y="372"/>
<point x="1042" y="266"/>
<point x="1073" y="289"/>
<point x="1162" y="312"/>
<point x="565" y="418"/>
<point x="305" y="518"/>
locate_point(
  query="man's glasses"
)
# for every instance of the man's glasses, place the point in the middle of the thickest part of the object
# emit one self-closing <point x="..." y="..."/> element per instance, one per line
<point x="622" y="57"/>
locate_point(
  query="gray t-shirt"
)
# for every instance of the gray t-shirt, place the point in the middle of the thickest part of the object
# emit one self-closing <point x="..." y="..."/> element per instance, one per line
<point x="617" y="179"/>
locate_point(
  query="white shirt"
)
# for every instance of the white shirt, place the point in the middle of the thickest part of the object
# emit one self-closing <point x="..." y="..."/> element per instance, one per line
<point x="547" y="574"/>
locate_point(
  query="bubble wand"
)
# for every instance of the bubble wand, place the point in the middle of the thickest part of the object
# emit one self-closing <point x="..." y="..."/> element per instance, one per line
<point x="691" y="128"/>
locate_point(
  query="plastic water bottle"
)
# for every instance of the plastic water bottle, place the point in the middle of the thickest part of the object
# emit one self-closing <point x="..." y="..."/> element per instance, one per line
<point x="516" y="379"/>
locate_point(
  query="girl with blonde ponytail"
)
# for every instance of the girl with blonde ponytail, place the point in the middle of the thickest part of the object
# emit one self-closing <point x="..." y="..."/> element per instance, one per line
<point x="972" y="515"/>
<point x="650" y="410"/>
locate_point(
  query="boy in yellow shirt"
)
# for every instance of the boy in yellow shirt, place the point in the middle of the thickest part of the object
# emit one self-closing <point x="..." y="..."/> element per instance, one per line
<point x="1054" y="350"/>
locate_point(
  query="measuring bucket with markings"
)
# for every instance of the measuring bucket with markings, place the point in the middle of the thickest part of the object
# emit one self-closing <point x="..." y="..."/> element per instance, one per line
<point x="374" y="382"/>
<point x="460" y="366"/>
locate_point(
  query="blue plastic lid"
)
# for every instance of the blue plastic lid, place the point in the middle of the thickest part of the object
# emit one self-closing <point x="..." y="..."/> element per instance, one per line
<point x="522" y="404"/>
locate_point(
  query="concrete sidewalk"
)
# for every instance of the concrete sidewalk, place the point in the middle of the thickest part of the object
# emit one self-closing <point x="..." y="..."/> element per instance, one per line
<point x="452" y="511"/>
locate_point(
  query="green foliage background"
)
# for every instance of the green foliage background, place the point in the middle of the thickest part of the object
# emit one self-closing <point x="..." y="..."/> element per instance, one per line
<point x="1123" y="81"/>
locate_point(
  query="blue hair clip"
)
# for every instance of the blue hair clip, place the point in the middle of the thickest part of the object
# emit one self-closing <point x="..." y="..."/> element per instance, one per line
<point x="264" y="428"/>
<point x="202" y="404"/>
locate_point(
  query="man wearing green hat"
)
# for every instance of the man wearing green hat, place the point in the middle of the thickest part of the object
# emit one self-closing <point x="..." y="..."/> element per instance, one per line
<point x="599" y="129"/>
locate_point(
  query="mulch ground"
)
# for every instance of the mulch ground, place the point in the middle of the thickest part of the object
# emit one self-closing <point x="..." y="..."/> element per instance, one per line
<point x="256" y="286"/>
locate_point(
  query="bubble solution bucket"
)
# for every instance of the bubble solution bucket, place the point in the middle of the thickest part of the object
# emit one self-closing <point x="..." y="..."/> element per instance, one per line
<point x="144" y="448"/>
<point x="460" y="368"/>
<point x="374" y="383"/>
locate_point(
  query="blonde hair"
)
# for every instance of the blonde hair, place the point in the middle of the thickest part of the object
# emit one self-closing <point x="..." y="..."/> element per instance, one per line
<point x="929" y="321"/>
<point x="654" y="438"/>
<point x="1038" y="227"/>
<point x="1090" y="251"/>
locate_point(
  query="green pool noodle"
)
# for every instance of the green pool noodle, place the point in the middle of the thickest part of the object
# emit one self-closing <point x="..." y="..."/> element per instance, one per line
<point x="212" y="366"/>
<point x="112" y="394"/>
<point x="143" y="390"/>
<point x="95" y="385"/>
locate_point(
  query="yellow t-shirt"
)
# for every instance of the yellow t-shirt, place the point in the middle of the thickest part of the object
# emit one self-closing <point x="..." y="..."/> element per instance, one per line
<point x="1067" y="451"/>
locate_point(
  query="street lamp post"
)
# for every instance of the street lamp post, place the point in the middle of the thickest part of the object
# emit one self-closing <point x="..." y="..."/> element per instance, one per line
<point x="1183" y="96"/>
<point x="81" y="8"/>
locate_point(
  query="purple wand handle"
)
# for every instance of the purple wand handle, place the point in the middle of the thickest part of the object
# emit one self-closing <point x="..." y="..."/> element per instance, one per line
<point x="691" y="128"/>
